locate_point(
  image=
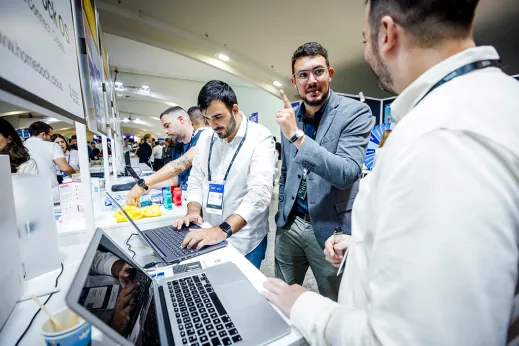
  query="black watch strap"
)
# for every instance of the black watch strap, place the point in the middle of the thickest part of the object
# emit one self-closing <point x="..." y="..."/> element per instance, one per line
<point x="224" y="226"/>
<point x="142" y="184"/>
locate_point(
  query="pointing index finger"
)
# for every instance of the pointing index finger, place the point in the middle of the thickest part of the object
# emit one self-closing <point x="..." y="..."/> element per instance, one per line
<point x="286" y="102"/>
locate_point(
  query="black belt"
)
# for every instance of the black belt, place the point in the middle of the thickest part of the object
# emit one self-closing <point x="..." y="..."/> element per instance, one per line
<point x="305" y="217"/>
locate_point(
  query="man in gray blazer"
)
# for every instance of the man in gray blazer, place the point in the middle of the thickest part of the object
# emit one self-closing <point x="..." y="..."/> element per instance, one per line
<point x="323" y="147"/>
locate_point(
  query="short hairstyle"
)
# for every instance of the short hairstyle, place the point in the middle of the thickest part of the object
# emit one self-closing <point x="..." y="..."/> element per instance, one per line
<point x="146" y="136"/>
<point x="429" y="21"/>
<point x="216" y="90"/>
<point x="38" y="127"/>
<point x="309" y="49"/>
<point x="195" y="114"/>
<point x="173" y="110"/>
<point x="73" y="137"/>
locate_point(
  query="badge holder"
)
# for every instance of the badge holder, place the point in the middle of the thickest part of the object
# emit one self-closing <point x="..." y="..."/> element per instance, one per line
<point x="215" y="199"/>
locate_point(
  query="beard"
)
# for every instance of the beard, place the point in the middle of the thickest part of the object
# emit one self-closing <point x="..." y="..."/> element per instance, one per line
<point x="175" y="138"/>
<point x="316" y="102"/>
<point x="385" y="80"/>
<point x="228" y="130"/>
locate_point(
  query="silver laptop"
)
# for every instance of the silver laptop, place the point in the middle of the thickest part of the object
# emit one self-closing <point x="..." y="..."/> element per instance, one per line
<point x="205" y="307"/>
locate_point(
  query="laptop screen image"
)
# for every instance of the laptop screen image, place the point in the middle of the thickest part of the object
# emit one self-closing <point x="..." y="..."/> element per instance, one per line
<point x="120" y="295"/>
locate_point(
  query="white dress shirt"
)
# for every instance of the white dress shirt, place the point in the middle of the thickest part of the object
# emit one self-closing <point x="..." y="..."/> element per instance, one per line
<point x="156" y="152"/>
<point x="28" y="167"/>
<point x="44" y="153"/>
<point x="434" y="256"/>
<point x="248" y="188"/>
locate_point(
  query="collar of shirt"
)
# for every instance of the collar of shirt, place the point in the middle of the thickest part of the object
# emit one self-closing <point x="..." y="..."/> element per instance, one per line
<point x="416" y="90"/>
<point x="240" y="134"/>
<point x="301" y="113"/>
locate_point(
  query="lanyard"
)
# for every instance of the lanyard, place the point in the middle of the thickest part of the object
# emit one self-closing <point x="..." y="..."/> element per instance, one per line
<point x="478" y="65"/>
<point x="234" y="157"/>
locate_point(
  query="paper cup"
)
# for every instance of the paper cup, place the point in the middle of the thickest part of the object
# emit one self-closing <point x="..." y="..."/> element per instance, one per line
<point x="78" y="335"/>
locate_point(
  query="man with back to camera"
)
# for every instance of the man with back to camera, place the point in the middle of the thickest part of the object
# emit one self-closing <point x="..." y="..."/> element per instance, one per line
<point x="144" y="151"/>
<point x="324" y="142"/>
<point x="46" y="154"/>
<point x="231" y="179"/>
<point x="433" y="254"/>
<point x="184" y="129"/>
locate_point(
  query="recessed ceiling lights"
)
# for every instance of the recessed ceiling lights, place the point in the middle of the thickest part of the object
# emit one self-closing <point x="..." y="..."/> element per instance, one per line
<point x="119" y="84"/>
<point x="145" y="87"/>
<point x="155" y="118"/>
<point x="277" y="84"/>
<point x="223" y="57"/>
<point x="120" y="95"/>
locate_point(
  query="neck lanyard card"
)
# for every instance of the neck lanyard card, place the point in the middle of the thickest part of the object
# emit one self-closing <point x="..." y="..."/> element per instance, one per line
<point x="215" y="199"/>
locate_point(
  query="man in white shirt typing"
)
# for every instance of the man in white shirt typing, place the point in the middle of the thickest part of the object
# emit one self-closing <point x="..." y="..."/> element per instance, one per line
<point x="231" y="178"/>
<point x="433" y="255"/>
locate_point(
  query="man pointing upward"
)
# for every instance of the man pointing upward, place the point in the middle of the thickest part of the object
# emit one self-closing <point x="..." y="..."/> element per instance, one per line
<point x="324" y="142"/>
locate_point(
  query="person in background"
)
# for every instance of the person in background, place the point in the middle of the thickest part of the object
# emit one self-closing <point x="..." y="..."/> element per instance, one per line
<point x="109" y="147"/>
<point x="71" y="155"/>
<point x="167" y="151"/>
<point x="182" y="131"/>
<point x="127" y="146"/>
<point x="324" y="143"/>
<point x="241" y="163"/>
<point x="99" y="145"/>
<point x="144" y="151"/>
<point x="156" y="152"/>
<point x="47" y="154"/>
<point x="73" y="142"/>
<point x="153" y="143"/>
<point x="278" y="148"/>
<point x="433" y="255"/>
<point x="95" y="152"/>
<point x="11" y="145"/>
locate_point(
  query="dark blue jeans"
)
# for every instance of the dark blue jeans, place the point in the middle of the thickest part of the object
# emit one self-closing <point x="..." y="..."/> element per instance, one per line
<point x="258" y="254"/>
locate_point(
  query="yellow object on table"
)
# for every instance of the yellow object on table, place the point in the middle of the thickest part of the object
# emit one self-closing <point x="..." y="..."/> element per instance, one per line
<point x="137" y="213"/>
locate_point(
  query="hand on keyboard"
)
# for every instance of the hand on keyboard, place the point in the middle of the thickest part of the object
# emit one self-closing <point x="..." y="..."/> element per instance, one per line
<point x="188" y="220"/>
<point x="199" y="238"/>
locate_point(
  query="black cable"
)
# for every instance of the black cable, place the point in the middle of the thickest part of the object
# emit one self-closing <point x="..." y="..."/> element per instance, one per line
<point x="37" y="312"/>
<point x="129" y="245"/>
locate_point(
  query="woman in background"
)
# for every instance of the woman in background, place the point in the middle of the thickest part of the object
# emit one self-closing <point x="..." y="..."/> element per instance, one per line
<point x="71" y="155"/>
<point x="11" y="144"/>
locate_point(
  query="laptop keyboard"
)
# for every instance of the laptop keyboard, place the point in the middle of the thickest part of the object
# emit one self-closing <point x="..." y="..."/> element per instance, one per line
<point x="201" y="317"/>
<point x="173" y="239"/>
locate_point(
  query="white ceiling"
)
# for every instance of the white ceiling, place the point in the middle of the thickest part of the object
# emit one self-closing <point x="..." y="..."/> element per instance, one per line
<point x="260" y="36"/>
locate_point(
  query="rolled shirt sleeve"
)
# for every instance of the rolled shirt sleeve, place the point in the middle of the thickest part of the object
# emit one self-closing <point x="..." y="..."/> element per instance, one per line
<point x="103" y="262"/>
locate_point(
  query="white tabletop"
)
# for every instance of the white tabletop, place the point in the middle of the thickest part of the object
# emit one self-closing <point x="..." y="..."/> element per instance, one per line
<point x="71" y="257"/>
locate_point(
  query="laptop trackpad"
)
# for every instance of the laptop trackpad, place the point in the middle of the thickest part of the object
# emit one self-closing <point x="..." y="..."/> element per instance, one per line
<point x="238" y="295"/>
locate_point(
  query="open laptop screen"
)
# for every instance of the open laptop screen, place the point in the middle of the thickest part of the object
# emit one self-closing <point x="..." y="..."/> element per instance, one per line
<point x="120" y="295"/>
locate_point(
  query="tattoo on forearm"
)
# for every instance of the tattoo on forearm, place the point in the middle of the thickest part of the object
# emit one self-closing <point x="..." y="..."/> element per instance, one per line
<point x="180" y="165"/>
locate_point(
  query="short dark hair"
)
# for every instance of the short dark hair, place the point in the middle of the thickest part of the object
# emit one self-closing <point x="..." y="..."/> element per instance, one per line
<point x="38" y="127"/>
<point x="309" y="49"/>
<point x="195" y="114"/>
<point x="73" y="137"/>
<point x="172" y="110"/>
<point x="429" y="21"/>
<point x="216" y="90"/>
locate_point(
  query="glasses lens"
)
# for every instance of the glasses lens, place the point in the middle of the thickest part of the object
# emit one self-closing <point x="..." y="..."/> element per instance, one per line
<point x="302" y="75"/>
<point x="318" y="72"/>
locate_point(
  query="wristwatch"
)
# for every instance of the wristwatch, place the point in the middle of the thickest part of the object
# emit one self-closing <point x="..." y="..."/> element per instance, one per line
<point x="299" y="133"/>
<point x="224" y="226"/>
<point x="142" y="184"/>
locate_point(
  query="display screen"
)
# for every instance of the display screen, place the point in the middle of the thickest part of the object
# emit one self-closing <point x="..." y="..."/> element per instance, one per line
<point x="120" y="295"/>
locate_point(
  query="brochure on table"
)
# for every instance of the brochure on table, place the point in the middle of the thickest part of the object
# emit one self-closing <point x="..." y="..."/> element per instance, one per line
<point x="39" y="55"/>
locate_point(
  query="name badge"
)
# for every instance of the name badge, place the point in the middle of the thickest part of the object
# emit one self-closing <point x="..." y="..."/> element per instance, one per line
<point x="215" y="199"/>
<point x="183" y="187"/>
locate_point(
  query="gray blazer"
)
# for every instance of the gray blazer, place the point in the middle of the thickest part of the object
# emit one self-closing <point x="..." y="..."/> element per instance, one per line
<point x="334" y="160"/>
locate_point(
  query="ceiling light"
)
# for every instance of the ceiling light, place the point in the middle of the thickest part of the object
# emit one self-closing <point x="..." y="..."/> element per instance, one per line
<point x="145" y="87"/>
<point x="120" y="95"/>
<point x="65" y="128"/>
<point x="223" y="57"/>
<point x="277" y="84"/>
<point x="119" y="84"/>
<point x="155" y="118"/>
<point x="12" y="113"/>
